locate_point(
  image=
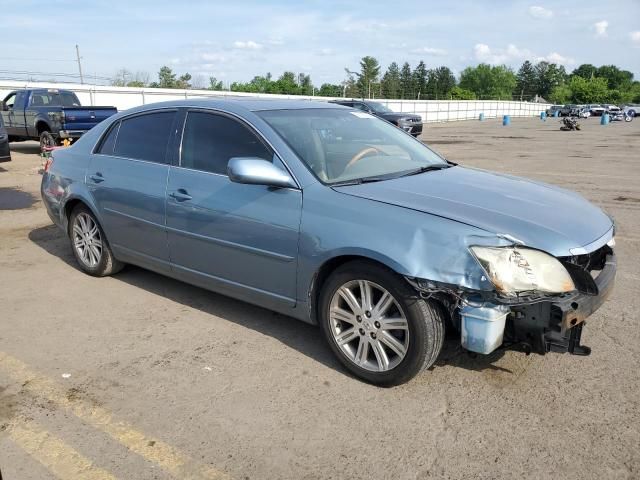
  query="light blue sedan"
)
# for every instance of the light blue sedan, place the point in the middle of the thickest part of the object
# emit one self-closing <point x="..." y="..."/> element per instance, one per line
<point x="337" y="218"/>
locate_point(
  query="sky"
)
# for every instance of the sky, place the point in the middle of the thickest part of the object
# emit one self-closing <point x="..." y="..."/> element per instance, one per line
<point x="235" y="40"/>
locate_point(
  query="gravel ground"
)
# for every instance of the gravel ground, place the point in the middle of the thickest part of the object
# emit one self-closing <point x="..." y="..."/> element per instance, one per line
<point x="145" y="377"/>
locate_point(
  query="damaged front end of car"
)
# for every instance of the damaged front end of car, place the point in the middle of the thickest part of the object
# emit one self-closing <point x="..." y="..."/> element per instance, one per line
<point x="538" y="303"/>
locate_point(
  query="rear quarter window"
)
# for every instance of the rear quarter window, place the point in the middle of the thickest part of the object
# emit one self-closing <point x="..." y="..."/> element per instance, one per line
<point x="108" y="141"/>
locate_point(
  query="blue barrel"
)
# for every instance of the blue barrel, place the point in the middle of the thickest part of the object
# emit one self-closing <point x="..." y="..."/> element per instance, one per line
<point x="556" y="113"/>
<point x="604" y="119"/>
<point x="543" y="116"/>
<point x="481" y="117"/>
<point x="506" y="120"/>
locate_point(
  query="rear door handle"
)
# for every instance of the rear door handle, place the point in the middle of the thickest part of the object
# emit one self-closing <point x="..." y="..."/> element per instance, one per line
<point x="97" y="177"/>
<point x="180" y="195"/>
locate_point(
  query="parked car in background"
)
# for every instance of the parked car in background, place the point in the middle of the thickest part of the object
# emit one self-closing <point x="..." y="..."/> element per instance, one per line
<point x="49" y="116"/>
<point x="409" y="122"/>
<point x="631" y="110"/>
<point x="612" y="109"/>
<point x="5" y="153"/>
<point x="596" y="110"/>
<point x="391" y="242"/>
<point x="551" y="111"/>
<point x="584" y="112"/>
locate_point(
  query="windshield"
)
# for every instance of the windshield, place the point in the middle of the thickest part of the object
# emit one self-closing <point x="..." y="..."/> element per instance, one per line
<point x="341" y="145"/>
<point x="378" y="108"/>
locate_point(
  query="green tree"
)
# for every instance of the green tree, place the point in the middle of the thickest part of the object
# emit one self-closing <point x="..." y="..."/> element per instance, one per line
<point x="486" y="81"/>
<point x="440" y="82"/>
<point x="183" y="81"/>
<point x="391" y="82"/>
<point x="368" y="76"/>
<point x="215" y="84"/>
<point x="548" y="76"/>
<point x="350" y="88"/>
<point x="420" y="80"/>
<point x="287" y="83"/>
<point x="561" y="94"/>
<point x="305" y="85"/>
<point x="330" y="90"/>
<point x="616" y="79"/>
<point x="593" y="90"/>
<point x="526" y="84"/>
<point x="166" y="78"/>
<point x="586" y="70"/>
<point x="406" y="82"/>
<point x="457" y="93"/>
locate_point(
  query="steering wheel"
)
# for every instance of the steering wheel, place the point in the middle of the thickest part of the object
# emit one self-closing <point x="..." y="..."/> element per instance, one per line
<point x="361" y="154"/>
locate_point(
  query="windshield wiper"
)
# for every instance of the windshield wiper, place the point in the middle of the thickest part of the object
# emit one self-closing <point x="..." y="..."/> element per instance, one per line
<point x="380" y="178"/>
<point x="426" y="168"/>
<point x="359" y="181"/>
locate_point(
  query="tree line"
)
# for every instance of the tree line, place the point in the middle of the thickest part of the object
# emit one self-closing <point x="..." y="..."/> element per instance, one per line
<point x="585" y="84"/>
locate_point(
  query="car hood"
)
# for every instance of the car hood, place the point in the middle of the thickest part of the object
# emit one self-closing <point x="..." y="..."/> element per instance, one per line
<point x="542" y="216"/>
<point x="398" y="116"/>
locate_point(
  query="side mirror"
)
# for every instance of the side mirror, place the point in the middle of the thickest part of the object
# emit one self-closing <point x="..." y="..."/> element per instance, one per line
<point x="257" y="171"/>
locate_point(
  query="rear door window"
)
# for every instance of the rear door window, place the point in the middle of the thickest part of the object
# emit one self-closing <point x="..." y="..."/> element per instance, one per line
<point x="145" y="137"/>
<point x="210" y="140"/>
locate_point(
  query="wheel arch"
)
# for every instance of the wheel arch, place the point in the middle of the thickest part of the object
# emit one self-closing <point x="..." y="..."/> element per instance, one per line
<point x="42" y="126"/>
<point x="70" y="204"/>
<point x="330" y="265"/>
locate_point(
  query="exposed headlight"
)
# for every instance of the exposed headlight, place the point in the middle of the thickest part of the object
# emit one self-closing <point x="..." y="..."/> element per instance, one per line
<point x="516" y="269"/>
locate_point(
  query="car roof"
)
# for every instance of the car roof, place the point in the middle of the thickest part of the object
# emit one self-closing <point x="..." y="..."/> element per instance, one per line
<point x="242" y="103"/>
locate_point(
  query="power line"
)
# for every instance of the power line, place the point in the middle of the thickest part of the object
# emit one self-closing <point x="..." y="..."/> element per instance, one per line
<point x="22" y="59"/>
<point x="50" y="74"/>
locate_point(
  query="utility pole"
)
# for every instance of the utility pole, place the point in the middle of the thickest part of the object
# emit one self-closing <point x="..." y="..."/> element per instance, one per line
<point x="79" y="64"/>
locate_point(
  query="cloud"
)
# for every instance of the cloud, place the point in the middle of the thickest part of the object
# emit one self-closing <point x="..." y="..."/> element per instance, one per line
<point x="326" y="52"/>
<point x="248" y="45"/>
<point x="483" y="53"/>
<point x="435" y="52"/>
<point x="635" y="38"/>
<point x="555" y="57"/>
<point x="601" y="28"/>
<point x="540" y="12"/>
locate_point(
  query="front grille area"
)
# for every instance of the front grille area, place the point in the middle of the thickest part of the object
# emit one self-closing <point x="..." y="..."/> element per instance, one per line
<point x="584" y="268"/>
<point x="590" y="261"/>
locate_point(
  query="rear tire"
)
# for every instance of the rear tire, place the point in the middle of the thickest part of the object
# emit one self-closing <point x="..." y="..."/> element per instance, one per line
<point x="46" y="141"/>
<point x="419" y="339"/>
<point x="89" y="244"/>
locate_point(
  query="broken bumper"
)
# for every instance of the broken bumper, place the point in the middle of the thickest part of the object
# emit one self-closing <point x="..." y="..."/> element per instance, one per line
<point x="556" y="326"/>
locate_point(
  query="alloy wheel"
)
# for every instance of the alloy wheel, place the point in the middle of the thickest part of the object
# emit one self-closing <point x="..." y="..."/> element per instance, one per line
<point x="87" y="240"/>
<point x="368" y="325"/>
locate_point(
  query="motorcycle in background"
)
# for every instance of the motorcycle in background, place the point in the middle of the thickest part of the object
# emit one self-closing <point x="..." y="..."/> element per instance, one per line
<point x="569" y="124"/>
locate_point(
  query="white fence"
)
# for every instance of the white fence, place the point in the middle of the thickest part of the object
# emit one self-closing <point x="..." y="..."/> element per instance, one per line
<point x="430" y="110"/>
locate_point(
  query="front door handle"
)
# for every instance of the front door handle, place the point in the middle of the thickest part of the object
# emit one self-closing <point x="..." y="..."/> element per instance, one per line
<point x="97" y="177"/>
<point x="180" y="195"/>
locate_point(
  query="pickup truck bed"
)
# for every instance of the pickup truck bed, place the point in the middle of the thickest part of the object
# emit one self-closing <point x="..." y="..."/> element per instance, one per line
<point x="49" y="115"/>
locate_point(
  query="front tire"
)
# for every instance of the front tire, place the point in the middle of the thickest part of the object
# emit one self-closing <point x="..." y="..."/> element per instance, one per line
<point x="377" y="325"/>
<point x="89" y="244"/>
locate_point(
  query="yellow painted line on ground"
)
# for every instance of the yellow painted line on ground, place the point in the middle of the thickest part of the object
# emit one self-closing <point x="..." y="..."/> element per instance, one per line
<point x="58" y="457"/>
<point x="176" y="463"/>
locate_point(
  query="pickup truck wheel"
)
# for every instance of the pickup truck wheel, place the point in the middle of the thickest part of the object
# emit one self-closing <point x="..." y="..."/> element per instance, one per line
<point x="377" y="325"/>
<point x="46" y="141"/>
<point x="89" y="244"/>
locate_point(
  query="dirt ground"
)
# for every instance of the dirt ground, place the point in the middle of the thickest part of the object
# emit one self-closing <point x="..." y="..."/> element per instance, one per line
<point x="143" y="377"/>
